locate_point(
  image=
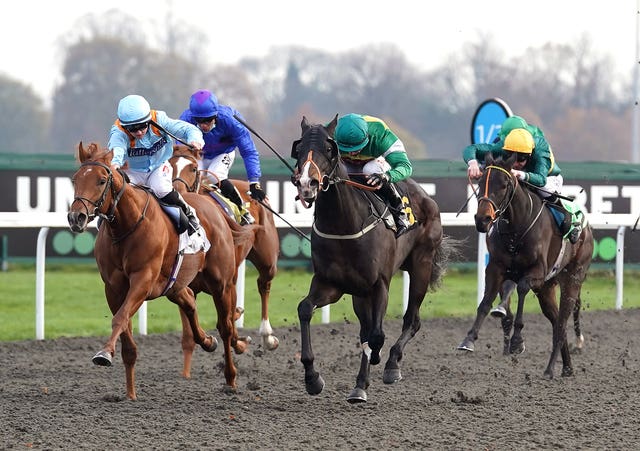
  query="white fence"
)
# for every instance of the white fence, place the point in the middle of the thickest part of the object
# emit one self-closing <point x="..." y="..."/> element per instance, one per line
<point x="44" y="221"/>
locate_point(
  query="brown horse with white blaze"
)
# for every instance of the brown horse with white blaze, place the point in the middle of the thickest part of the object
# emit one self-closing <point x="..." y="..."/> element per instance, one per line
<point x="266" y="243"/>
<point x="138" y="256"/>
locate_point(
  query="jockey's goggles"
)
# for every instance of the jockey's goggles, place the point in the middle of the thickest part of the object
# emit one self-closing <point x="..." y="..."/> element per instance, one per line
<point x="204" y="120"/>
<point x="136" y="127"/>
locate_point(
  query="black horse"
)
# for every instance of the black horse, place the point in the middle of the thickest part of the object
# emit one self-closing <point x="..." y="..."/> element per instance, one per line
<point x="354" y="253"/>
<point x="528" y="252"/>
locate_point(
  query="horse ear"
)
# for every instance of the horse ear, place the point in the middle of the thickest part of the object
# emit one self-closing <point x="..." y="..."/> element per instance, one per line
<point x="294" y="149"/>
<point x="81" y="154"/>
<point x="331" y="126"/>
<point x="304" y="124"/>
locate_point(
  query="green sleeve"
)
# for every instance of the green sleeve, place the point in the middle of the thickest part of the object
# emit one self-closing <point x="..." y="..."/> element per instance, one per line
<point x="400" y="166"/>
<point x="539" y="165"/>
<point x="480" y="150"/>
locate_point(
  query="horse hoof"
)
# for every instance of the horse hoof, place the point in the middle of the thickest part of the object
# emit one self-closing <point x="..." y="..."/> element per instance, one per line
<point x="102" y="358"/>
<point x="391" y="376"/>
<point x="270" y="342"/>
<point x="498" y="312"/>
<point x="567" y="372"/>
<point x="315" y="386"/>
<point x="357" y="396"/>
<point x="517" y="348"/>
<point x="212" y="347"/>
<point x="548" y="375"/>
<point x="466" y="345"/>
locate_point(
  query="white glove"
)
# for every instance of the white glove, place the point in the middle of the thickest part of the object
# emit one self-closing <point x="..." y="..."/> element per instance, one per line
<point x="519" y="174"/>
<point x="473" y="171"/>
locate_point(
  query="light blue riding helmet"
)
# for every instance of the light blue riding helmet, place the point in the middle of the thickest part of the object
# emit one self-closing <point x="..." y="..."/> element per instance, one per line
<point x="133" y="109"/>
<point x="203" y="103"/>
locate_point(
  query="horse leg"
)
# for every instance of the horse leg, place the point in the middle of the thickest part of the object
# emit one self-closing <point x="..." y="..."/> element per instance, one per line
<point x="225" y="302"/>
<point x="121" y="327"/>
<point x="503" y="311"/>
<point x="493" y="280"/>
<point x="129" y="355"/>
<point x="516" y="345"/>
<point x="418" y="287"/>
<point x="185" y="299"/>
<point x="265" y="276"/>
<point x="188" y="345"/>
<point x="370" y="312"/>
<point x="568" y="296"/>
<point x="319" y="296"/>
<point x="500" y="310"/>
<point x="576" y="324"/>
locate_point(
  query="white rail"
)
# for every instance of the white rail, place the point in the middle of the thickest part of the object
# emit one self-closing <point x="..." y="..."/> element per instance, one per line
<point x="44" y="221"/>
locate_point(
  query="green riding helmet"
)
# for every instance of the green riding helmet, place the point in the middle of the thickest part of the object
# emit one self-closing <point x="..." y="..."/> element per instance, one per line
<point x="511" y="123"/>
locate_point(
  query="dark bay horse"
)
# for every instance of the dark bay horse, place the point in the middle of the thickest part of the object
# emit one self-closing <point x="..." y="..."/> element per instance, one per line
<point x="354" y="253"/>
<point x="527" y="252"/>
<point x="266" y="243"/>
<point x="136" y="251"/>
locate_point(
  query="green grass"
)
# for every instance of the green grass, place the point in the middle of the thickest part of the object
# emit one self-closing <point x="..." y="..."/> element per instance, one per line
<point x="75" y="304"/>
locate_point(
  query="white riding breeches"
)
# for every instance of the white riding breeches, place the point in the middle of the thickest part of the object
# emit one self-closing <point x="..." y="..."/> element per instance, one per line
<point x="160" y="180"/>
<point x="217" y="168"/>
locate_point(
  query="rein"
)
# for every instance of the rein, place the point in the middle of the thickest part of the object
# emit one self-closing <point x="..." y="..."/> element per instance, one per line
<point x="325" y="183"/>
<point x="496" y="212"/>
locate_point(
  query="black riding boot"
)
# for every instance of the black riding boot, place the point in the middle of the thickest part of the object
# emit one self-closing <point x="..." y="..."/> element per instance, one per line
<point x="229" y="191"/>
<point x="174" y="198"/>
<point x="390" y="193"/>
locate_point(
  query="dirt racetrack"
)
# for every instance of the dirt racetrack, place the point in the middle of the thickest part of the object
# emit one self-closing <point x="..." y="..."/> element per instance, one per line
<point x="53" y="397"/>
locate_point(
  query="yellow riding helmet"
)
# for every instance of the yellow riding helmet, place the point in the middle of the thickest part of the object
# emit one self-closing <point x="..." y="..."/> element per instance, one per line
<point x="519" y="140"/>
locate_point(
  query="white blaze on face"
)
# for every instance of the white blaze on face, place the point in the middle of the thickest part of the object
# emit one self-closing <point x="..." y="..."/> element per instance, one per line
<point x="305" y="180"/>
<point x="181" y="163"/>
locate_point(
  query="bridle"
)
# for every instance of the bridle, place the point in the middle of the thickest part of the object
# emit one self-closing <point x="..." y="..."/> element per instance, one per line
<point x="116" y="196"/>
<point x="195" y="186"/>
<point x="496" y="211"/>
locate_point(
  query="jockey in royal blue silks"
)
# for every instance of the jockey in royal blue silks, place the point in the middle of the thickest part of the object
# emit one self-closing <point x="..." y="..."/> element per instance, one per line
<point x="223" y="133"/>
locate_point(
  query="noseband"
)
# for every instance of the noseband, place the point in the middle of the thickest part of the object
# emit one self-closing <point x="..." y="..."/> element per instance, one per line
<point x="497" y="211"/>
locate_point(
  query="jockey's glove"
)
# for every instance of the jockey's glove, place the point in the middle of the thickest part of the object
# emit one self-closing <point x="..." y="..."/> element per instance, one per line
<point x="520" y="174"/>
<point x="378" y="179"/>
<point x="256" y="192"/>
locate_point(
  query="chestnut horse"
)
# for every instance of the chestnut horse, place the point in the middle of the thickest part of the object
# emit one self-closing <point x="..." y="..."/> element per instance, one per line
<point x="137" y="253"/>
<point x="354" y="253"/>
<point x="266" y="243"/>
<point x="527" y="251"/>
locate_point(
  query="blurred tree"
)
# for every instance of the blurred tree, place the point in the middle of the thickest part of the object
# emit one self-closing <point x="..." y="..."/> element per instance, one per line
<point x="24" y="123"/>
<point x="109" y="60"/>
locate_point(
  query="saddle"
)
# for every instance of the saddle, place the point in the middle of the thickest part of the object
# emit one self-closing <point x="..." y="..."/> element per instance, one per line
<point x="228" y="206"/>
<point x="567" y="214"/>
<point x="382" y="208"/>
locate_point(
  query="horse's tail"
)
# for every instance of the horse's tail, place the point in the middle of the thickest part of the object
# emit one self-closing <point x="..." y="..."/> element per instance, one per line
<point x="449" y="250"/>
<point x="243" y="237"/>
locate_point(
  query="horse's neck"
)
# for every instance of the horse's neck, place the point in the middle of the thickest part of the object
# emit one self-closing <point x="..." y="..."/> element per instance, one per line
<point x="130" y="208"/>
<point x="523" y="207"/>
<point x="341" y="209"/>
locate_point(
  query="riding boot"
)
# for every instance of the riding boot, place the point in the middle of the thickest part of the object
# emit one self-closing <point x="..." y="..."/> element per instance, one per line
<point x="567" y="223"/>
<point x="231" y="192"/>
<point x="174" y="198"/>
<point x="389" y="192"/>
